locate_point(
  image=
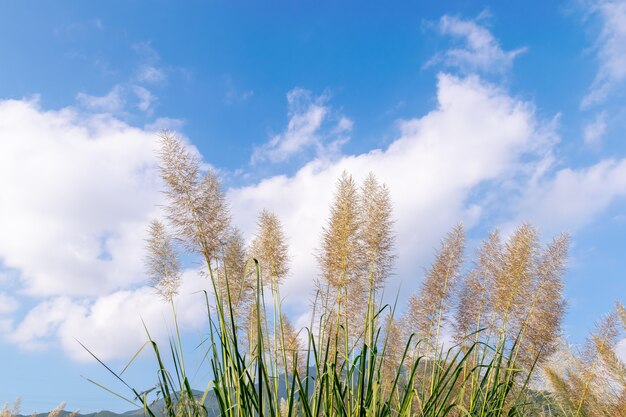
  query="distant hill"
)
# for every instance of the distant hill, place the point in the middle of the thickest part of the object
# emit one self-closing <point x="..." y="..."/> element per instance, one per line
<point x="157" y="408"/>
<point x="103" y="413"/>
<point x="540" y="400"/>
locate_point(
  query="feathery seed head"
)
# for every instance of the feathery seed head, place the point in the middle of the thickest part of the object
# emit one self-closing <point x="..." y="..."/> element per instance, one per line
<point x="270" y="248"/>
<point x="376" y="235"/>
<point x="338" y="257"/>
<point x="162" y="263"/>
<point x="439" y="285"/>
<point x="513" y="285"/>
<point x="197" y="208"/>
<point x="543" y="320"/>
<point x="470" y="311"/>
<point x="232" y="275"/>
<point x="291" y="346"/>
<point x="621" y="313"/>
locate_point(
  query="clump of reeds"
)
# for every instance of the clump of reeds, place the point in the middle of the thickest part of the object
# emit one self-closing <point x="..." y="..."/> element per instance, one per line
<point x="592" y="382"/>
<point x="499" y="318"/>
<point x="14" y="411"/>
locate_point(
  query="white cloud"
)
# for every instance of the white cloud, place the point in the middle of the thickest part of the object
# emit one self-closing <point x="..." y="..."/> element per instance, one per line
<point x="79" y="29"/>
<point x="42" y="322"/>
<point x="111" y="326"/>
<point x="480" y="52"/>
<point x="150" y="70"/>
<point x="8" y="304"/>
<point x="594" y="131"/>
<point x="151" y="74"/>
<point x="145" y="98"/>
<point x="113" y="102"/>
<point x="77" y="194"/>
<point x="311" y="125"/>
<point x="233" y="94"/>
<point x="611" y="50"/>
<point x="477" y="135"/>
<point x="570" y="198"/>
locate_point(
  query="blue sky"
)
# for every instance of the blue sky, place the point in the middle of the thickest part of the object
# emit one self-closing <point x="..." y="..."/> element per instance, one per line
<point x="486" y="113"/>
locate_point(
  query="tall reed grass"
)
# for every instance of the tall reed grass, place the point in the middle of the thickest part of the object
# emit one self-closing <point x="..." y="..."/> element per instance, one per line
<point x="468" y="344"/>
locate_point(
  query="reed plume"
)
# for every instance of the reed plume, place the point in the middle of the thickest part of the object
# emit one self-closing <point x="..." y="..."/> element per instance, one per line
<point x="475" y="295"/>
<point x="290" y="347"/>
<point x="251" y="324"/>
<point x="470" y="311"/>
<point x="8" y="411"/>
<point x="56" y="412"/>
<point x="339" y="260"/>
<point x="393" y="350"/>
<point x="14" y="411"/>
<point x="162" y="262"/>
<point x="428" y="310"/>
<point x="513" y="286"/>
<point x="197" y="208"/>
<point x="338" y="257"/>
<point x="270" y="248"/>
<point x="541" y="327"/>
<point x="592" y="382"/>
<point x="376" y="234"/>
<point x="232" y="278"/>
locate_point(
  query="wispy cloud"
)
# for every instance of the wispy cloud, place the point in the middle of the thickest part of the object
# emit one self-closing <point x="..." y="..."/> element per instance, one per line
<point x="75" y="29"/>
<point x="570" y="198"/>
<point x="610" y="47"/>
<point x="150" y="69"/>
<point x="594" y="131"/>
<point x="151" y="74"/>
<point x="120" y="100"/>
<point x="136" y="92"/>
<point x="113" y="102"/>
<point x="479" y="52"/>
<point x="145" y="97"/>
<point x="233" y="94"/>
<point x="312" y="125"/>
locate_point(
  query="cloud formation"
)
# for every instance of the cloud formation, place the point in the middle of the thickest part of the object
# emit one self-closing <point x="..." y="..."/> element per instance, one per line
<point x="77" y="193"/>
<point x="594" y="131"/>
<point x="151" y="74"/>
<point x="572" y="197"/>
<point x="610" y="49"/>
<point x="111" y="326"/>
<point x="480" y="51"/>
<point x="113" y="102"/>
<point x="312" y="124"/>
